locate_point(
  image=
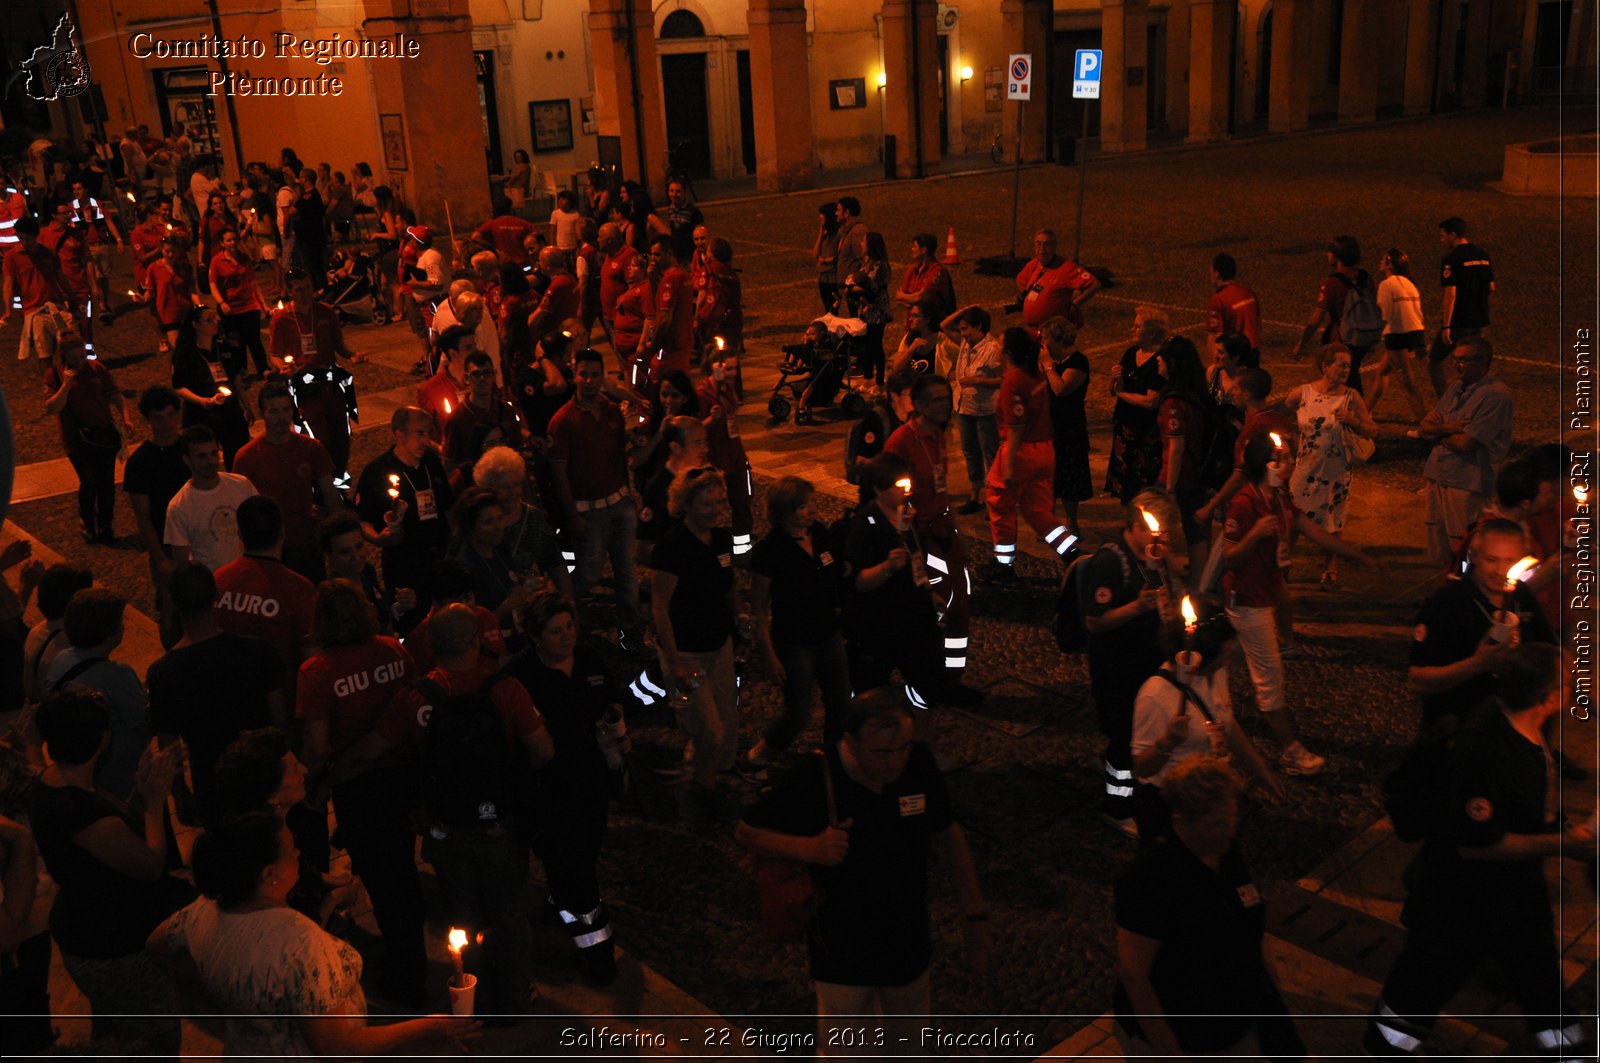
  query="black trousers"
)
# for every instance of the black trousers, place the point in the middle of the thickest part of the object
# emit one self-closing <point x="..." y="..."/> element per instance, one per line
<point x="911" y="645"/>
<point x="375" y="828"/>
<point x="97" y="487"/>
<point x="246" y="328"/>
<point x="25" y="998"/>
<point x="1113" y="706"/>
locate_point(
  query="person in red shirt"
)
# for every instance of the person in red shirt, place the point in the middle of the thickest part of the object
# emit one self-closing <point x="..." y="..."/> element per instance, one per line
<point x="450" y="583"/>
<point x="720" y="310"/>
<point x="445" y="391"/>
<point x="700" y="261"/>
<point x="560" y="302"/>
<point x="342" y="694"/>
<point x="586" y="266"/>
<point x="145" y="240"/>
<point x="482" y="866"/>
<point x="1344" y="255"/>
<point x="669" y="332"/>
<point x="100" y="231"/>
<point x="1023" y="474"/>
<point x="32" y="277"/>
<point x="88" y="409"/>
<point x="172" y="294"/>
<point x="233" y="281"/>
<point x="615" y="255"/>
<point x="307" y="342"/>
<point x="69" y="243"/>
<point x="293" y="470"/>
<point x="505" y="232"/>
<point x="483" y="420"/>
<point x="1249" y="393"/>
<point x="927" y="283"/>
<point x="1051" y="286"/>
<point x="633" y="309"/>
<point x="258" y="595"/>
<point x="13" y="208"/>
<point x="920" y="441"/>
<point x="1233" y="307"/>
<point x="1255" y="534"/>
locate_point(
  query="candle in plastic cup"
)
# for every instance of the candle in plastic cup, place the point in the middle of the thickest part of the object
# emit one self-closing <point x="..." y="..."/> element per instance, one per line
<point x="1188" y="662"/>
<point x="463" y="999"/>
<point x="1503" y="626"/>
<point x="225" y="392"/>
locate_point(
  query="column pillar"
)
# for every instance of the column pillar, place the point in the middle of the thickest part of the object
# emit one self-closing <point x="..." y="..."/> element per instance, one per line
<point x="1289" y="101"/>
<point x="1422" y="55"/>
<point x="438" y="104"/>
<point x="780" y="90"/>
<point x="1123" y="86"/>
<point x="1210" y="69"/>
<point x="910" y="99"/>
<point x="627" y="87"/>
<point x="1179" y="78"/>
<point x="1475" y="66"/>
<point x="1026" y="28"/>
<point x="1358" y="62"/>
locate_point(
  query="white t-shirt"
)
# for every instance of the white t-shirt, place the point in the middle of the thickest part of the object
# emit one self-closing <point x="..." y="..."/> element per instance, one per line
<point x="286" y="198"/>
<point x="1400" y="305"/>
<point x="1157" y="705"/>
<point x="566" y="226"/>
<point x="200" y="189"/>
<point x="206" y="521"/>
<point x="265" y="969"/>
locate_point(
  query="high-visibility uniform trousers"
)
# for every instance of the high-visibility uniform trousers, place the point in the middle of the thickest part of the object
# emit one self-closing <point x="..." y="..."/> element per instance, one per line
<point x="1031" y="490"/>
<point x="952" y="586"/>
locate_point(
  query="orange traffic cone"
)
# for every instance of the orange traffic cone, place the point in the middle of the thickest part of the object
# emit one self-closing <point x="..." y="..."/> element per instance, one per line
<point x="952" y="257"/>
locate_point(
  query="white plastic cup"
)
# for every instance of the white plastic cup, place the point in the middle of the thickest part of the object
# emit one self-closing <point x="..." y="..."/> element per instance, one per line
<point x="1188" y="662"/>
<point x="1503" y="626"/>
<point x="463" y="999"/>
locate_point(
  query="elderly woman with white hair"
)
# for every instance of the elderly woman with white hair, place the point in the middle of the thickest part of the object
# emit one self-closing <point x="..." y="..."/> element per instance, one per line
<point x="464" y="305"/>
<point x="529" y="537"/>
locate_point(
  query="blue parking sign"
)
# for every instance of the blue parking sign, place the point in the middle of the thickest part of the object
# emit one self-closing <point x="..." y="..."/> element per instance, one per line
<point x="1086" y="74"/>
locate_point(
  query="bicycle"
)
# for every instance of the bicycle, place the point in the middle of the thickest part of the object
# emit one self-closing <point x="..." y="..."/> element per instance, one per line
<point x="997" y="149"/>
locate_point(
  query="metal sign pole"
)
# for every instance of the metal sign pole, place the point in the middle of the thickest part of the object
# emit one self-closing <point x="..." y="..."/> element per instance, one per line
<point x="1016" y="180"/>
<point x="1083" y="171"/>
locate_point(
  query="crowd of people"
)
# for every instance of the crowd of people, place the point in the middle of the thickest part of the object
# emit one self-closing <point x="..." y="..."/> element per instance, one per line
<point x="404" y="643"/>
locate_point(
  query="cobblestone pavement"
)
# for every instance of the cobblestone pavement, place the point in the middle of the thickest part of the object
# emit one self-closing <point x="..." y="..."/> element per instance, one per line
<point x="1024" y="768"/>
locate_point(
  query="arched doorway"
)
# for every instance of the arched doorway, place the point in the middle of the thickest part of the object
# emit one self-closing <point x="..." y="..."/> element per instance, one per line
<point x="683" y="88"/>
<point x="1263" y="64"/>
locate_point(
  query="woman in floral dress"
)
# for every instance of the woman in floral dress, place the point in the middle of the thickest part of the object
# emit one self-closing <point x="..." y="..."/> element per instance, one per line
<point x="1325" y="408"/>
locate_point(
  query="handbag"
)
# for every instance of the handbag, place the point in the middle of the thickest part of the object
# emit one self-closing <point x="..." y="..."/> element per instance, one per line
<point x="789" y="892"/>
<point x="1357" y="447"/>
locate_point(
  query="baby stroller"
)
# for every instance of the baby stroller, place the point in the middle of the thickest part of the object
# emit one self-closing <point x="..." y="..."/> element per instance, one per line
<point x="353" y="289"/>
<point x="816" y="372"/>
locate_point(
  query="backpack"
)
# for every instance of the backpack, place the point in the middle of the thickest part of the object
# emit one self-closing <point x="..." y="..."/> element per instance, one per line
<point x="868" y="435"/>
<point x="1073" y="598"/>
<point x="1360" y="320"/>
<point x="466" y="757"/>
<point x="1415" y="794"/>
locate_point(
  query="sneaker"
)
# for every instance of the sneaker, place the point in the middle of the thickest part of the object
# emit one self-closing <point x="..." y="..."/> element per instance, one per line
<point x="1127" y="827"/>
<point x="969" y="507"/>
<point x="1298" y="760"/>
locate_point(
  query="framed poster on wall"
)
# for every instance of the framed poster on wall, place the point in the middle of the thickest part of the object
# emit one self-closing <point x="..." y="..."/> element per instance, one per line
<point x="847" y="93"/>
<point x="552" y="124"/>
<point x="392" y="128"/>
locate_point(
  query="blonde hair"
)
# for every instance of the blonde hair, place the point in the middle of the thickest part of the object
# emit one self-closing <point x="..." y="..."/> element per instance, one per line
<point x="1199" y="785"/>
<point x="686" y="488"/>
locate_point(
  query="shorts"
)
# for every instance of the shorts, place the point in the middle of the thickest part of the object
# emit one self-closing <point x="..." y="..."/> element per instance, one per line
<point x="1404" y="341"/>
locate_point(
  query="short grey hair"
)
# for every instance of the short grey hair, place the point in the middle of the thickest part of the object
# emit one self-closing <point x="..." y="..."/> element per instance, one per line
<point x="500" y="465"/>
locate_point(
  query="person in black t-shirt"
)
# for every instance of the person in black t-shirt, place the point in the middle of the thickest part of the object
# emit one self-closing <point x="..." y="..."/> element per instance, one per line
<point x="202" y="378"/>
<point x="1193" y="976"/>
<point x="1126" y="593"/>
<point x="154" y="473"/>
<point x="1456" y="646"/>
<point x="402" y="499"/>
<point x="696" y="613"/>
<point x="685" y="441"/>
<point x="183" y="685"/>
<point x="867" y="827"/>
<point x="890" y="620"/>
<point x="571" y="794"/>
<point x="796" y="571"/>
<point x="1467" y="277"/>
<point x="1478" y="887"/>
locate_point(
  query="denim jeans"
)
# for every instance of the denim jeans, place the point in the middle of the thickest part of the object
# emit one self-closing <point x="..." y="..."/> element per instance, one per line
<point x="484" y="878"/>
<point x="804" y="669"/>
<point x="611" y="534"/>
<point x="711" y="716"/>
<point x="980" y="442"/>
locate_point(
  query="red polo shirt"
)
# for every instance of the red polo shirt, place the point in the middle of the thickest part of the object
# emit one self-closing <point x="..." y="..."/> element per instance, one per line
<point x="507" y="232"/>
<point x="350" y="687"/>
<point x="1234" y="309"/>
<point x="594" y="446"/>
<point x="675" y="318"/>
<point x="35" y="276"/>
<point x="560" y="303"/>
<point x="314" y="349"/>
<point x="925" y="452"/>
<point x="629" y="314"/>
<point x="286" y="473"/>
<point x="170" y="293"/>
<point x="613" y="279"/>
<point x="235" y="284"/>
<point x="1048" y="290"/>
<point x="145" y="240"/>
<point x="72" y="256"/>
<point x="1026" y="399"/>
<point x="403" y="722"/>
<point x="441" y="396"/>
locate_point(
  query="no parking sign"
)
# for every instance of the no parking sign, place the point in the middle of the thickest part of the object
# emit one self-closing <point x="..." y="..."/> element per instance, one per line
<point x="1019" y="77"/>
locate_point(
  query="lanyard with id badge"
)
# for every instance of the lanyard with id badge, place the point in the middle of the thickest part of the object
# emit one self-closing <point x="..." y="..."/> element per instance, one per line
<point x="427" y="507"/>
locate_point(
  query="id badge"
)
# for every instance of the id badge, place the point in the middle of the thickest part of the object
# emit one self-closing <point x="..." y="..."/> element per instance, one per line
<point x="219" y="375"/>
<point x="427" y="508"/>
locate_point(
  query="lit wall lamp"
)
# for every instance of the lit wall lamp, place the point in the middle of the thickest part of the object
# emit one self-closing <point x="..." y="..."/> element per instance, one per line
<point x="883" y="79"/>
<point x="966" y="74"/>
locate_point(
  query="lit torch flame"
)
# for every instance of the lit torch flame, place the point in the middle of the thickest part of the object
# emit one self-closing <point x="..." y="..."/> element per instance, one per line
<point x="394" y="486"/>
<point x="280" y="304"/>
<point x="1520" y="571"/>
<point x="458" y="939"/>
<point x="722" y="344"/>
<point x="131" y="197"/>
<point x="1277" y="440"/>
<point x="447" y="407"/>
<point x="904" y="483"/>
<point x="1190" y="617"/>
<point x="1150" y="521"/>
<point x="226" y="393"/>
